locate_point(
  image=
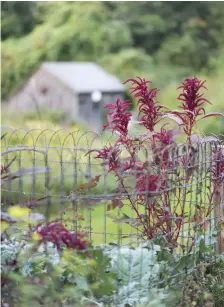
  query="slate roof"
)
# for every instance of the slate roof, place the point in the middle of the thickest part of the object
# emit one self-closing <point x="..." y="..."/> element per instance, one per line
<point x="84" y="77"/>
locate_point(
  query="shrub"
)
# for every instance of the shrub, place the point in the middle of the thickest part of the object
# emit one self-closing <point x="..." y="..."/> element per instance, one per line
<point x="162" y="171"/>
<point x="55" y="117"/>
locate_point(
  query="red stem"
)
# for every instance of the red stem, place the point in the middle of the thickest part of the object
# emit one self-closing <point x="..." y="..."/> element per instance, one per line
<point x="133" y="206"/>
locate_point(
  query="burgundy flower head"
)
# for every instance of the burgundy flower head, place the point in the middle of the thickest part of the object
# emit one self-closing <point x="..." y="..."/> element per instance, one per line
<point x="148" y="106"/>
<point x="166" y="137"/>
<point x="192" y="104"/>
<point x="191" y="97"/>
<point x="59" y="235"/>
<point x="110" y="156"/>
<point x="118" y="117"/>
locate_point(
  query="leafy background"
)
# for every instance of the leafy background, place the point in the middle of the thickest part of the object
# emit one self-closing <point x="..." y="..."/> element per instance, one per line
<point x="163" y="41"/>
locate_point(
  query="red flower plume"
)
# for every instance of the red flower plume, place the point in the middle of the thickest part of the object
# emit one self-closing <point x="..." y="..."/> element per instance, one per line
<point x="148" y="106"/>
<point x="118" y="117"/>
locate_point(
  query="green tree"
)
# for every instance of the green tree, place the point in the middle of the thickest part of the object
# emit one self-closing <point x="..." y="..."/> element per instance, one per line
<point x="18" y="18"/>
<point x="160" y="40"/>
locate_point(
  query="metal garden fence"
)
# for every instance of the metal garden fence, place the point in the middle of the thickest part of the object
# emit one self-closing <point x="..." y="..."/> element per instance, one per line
<point x="59" y="163"/>
<point x="56" y="173"/>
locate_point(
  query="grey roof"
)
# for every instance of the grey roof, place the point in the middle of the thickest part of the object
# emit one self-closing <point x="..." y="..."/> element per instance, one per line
<point x="84" y="77"/>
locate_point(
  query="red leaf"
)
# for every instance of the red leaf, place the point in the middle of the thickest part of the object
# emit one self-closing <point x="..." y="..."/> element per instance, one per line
<point x="91" y="184"/>
<point x="211" y="114"/>
<point x="114" y="204"/>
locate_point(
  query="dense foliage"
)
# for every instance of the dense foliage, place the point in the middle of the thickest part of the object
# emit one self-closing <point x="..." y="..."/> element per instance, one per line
<point x="184" y="36"/>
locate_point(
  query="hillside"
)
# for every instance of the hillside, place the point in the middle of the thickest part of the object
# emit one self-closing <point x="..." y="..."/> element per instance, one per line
<point x="162" y="41"/>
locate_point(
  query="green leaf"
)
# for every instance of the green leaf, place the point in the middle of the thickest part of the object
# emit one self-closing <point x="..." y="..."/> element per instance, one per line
<point x="81" y="283"/>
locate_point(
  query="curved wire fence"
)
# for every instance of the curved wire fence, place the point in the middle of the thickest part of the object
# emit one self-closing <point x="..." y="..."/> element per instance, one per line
<point x="62" y="163"/>
<point x="57" y="174"/>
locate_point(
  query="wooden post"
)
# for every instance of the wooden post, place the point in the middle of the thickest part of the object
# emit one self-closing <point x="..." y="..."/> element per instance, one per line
<point x="219" y="218"/>
<point x="219" y="214"/>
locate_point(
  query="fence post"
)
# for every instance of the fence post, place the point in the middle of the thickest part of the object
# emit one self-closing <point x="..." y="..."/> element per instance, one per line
<point x="219" y="216"/>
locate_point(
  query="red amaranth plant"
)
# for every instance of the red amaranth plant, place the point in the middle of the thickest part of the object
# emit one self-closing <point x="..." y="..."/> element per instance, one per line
<point x="193" y="104"/>
<point x="193" y="101"/>
<point x="59" y="235"/>
<point x="149" y="109"/>
<point x="158" y="194"/>
<point x="118" y="117"/>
